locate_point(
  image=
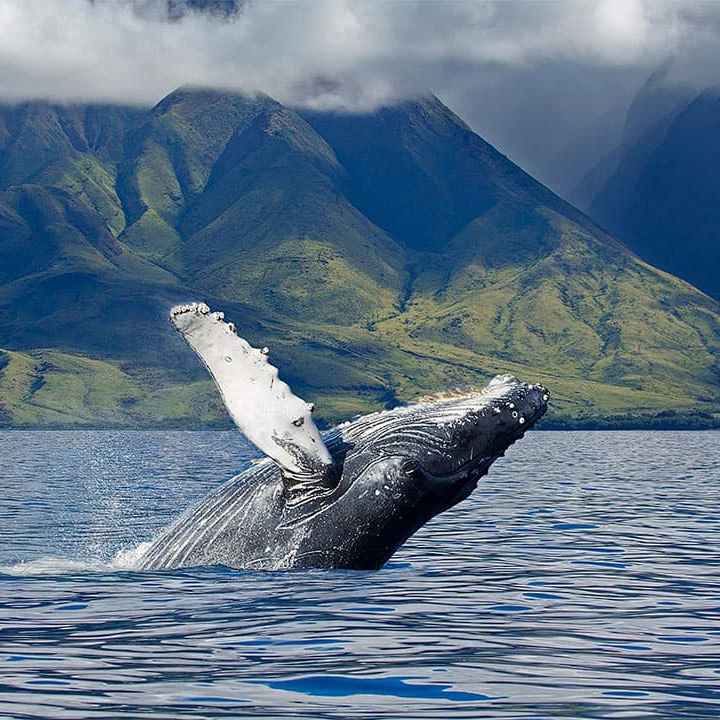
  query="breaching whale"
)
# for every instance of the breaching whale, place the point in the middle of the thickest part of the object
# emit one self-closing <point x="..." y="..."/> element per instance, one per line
<point x="348" y="498"/>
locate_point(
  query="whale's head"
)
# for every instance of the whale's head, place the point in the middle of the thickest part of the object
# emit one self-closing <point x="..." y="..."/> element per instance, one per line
<point x="407" y="465"/>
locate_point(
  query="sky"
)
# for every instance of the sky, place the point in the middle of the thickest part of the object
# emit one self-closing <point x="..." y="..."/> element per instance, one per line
<point x="542" y="80"/>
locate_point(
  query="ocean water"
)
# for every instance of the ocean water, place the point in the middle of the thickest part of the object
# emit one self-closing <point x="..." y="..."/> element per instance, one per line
<point x="581" y="580"/>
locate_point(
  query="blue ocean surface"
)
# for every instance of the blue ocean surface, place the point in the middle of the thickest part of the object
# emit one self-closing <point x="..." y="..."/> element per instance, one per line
<point x="581" y="580"/>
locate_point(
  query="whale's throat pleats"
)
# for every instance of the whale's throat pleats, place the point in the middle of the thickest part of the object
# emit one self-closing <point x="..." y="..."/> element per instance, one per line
<point x="263" y="407"/>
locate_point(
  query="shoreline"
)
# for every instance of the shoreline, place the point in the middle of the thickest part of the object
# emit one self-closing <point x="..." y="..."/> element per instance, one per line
<point x="551" y="426"/>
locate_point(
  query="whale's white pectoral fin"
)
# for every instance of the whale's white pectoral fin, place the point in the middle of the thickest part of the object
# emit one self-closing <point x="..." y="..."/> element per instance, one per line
<point x="277" y="422"/>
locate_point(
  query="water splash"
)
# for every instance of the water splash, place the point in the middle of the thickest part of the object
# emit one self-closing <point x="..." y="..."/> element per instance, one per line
<point x="129" y="558"/>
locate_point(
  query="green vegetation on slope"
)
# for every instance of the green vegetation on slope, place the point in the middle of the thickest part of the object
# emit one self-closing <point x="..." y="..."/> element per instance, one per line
<point x="382" y="257"/>
<point x="46" y="388"/>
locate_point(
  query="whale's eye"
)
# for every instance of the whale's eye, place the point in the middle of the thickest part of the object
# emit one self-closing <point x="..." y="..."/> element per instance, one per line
<point x="409" y="467"/>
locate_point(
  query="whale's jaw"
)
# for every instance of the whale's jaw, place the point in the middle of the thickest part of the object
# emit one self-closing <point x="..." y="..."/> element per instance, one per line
<point x="487" y="425"/>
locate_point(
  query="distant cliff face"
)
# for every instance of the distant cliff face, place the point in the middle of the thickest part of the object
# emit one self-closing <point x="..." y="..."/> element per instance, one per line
<point x="381" y="256"/>
<point x="610" y="182"/>
<point x="659" y="191"/>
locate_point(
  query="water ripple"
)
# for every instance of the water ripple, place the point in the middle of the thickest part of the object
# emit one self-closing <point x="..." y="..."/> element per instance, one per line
<point x="581" y="580"/>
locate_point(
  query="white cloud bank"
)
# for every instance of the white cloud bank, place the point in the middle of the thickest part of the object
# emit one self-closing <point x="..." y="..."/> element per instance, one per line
<point x="546" y="81"/>
<point x="352" y="54"/>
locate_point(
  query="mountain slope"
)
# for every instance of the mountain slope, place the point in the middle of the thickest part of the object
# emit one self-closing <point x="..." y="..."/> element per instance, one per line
<point x="608" y="187"/>
<point x="661" y="194"/>
<point x="381" y="257"/>
<point x="672" y="218"/>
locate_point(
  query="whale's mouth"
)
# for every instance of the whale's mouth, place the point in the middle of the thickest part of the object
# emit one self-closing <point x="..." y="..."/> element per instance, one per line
<point x="469" y="469"/>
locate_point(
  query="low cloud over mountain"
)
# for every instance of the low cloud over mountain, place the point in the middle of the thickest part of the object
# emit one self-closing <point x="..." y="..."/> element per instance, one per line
<point x="529" y="75"/>
<point x="339" y="53"/>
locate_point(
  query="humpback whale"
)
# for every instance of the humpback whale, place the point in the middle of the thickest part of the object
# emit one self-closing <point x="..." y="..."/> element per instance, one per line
<point x="347" y="498"/>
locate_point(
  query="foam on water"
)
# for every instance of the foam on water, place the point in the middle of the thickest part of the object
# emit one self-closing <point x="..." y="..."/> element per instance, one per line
<point x="126" y="559"/>
<point x="54" y="566"/>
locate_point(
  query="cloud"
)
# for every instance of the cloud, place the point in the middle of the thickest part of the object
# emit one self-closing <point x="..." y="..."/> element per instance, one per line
<point x="530" y="75"/>
<point x="351" y="54"/>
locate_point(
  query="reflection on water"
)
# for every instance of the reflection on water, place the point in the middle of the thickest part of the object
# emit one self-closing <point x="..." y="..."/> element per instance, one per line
<point x="581" y="580"/>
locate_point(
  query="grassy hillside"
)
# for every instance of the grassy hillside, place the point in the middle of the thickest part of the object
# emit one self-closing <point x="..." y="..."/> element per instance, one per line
<point x="382" y="257"/>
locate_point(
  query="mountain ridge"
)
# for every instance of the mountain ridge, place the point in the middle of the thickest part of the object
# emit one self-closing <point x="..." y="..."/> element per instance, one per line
<point x="382" y="257"/>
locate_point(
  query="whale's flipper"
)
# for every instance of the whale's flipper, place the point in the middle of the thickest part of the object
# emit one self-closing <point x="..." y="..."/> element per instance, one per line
<point x="277" y="422"/>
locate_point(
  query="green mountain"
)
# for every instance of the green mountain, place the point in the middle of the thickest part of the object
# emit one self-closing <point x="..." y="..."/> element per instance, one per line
<point x="382" y="257"/>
